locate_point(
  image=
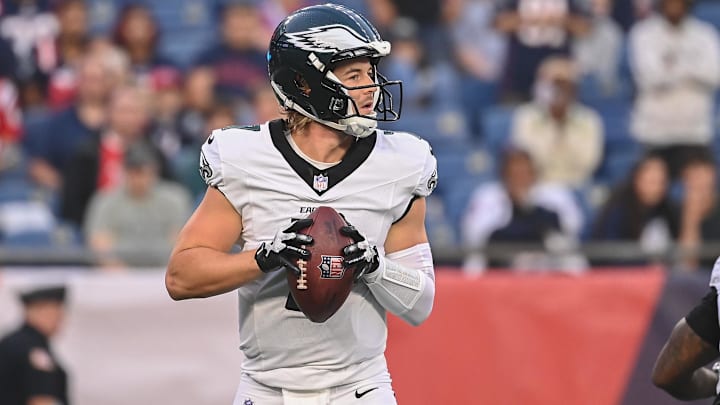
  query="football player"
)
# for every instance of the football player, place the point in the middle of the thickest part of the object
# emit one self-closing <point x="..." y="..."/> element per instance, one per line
<point x="327" y="151"/>
<point x="680" y="367"/>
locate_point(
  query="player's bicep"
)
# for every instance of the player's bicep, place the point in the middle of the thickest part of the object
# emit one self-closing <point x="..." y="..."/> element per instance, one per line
<point x="215" y="224"/>
<point x="683" y="353"/>
<point x="408" y="231"/>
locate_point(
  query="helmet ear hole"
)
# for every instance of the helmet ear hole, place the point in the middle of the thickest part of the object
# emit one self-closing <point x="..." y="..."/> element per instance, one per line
<point x="302" y="85"/>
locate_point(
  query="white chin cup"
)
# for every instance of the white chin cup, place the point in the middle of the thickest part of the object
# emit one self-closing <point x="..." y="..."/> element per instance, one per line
<point x="358" y="127"/>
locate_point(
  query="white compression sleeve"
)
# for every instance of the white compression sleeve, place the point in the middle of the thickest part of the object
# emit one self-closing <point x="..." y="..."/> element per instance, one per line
<point x="404" y="283"/>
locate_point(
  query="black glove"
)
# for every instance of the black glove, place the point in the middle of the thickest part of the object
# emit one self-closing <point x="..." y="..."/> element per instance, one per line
<point x="284" y="248"/>
<point x="360" y="254"/>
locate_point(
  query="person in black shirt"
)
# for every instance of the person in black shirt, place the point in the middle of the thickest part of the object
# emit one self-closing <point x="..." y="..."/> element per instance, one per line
<point x="29" y="372"/>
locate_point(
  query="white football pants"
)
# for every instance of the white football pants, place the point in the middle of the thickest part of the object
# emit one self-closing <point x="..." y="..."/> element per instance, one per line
<point x="374" y="391"/>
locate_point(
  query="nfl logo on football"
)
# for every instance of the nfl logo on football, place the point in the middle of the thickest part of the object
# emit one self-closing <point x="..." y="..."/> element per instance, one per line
<point x="332" y="267"/>
<point x="320" y="182"/>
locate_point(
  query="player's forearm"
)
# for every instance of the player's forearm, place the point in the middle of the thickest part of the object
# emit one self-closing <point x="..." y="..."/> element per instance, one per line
<point x="701" y="384"/>
<point x="415" y="302"/>
<point x="404" y="283"/>
<point x="203" y="272"/>
<point x="679" y="368"/>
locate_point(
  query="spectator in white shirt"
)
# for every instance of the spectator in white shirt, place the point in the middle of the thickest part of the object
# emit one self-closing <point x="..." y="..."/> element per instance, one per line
<point x="675" y="60"/>
<point x="564" y="137"/>
<point x="520" y="209"/>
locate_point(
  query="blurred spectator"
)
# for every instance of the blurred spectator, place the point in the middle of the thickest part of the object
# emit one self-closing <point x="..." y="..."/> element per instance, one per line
<point x="265" y="107"/>
<point x="520" y="209"/>
<point x="640" y="209"/>
<point x="238" y="61"/>
<point x="28" y="24"/>
<point x="97" y="163"/>
<point x="537" y="29"/>
<point x="700" y="211"/>
<point x="627" y="12"/>
<point x="383" y="15"/>
<point x="429" y="15"/>
<point x="10" y="112"/>
<point x="273" y="11"/>
<point x="219" y="115"/>
<point x="598" y="53"/>
<point x="198" y="100"/>
<point x="564" y="137"/>
<point x="675" y="60"/>
<point x="137" y="33"/>
<point x="30" y="373"/>
<point x="165" y="85"/>
<point x="59" y="60"/>
<point x="116" y="61"/>
<point x="50" y="146"/>
<point x="480" y="61"/>
<point x="73" y="38"/>
<point x="427" y="84"/>
<point x="136" y="225"/>
<point x="10" y="125"/>
<point x="8" y="60"/>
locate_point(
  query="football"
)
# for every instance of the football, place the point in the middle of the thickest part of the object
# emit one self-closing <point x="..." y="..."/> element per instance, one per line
<point x="324" y="283"/>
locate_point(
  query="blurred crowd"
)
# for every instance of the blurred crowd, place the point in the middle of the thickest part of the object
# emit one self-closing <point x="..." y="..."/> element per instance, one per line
<point x="556" y="123"/>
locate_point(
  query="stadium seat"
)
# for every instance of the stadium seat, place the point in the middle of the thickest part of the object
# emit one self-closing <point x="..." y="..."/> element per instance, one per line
<point x="496" y="125"/>
<point x="15" y="189"/>
<point x="621" y="149"/>
<point x="615" y="115"/>
<point x="26" y="222"/>
<point x="460" y="171"/>
<point x="187" y="26"/>
<point x="587" y="199"/>
<point x="462" y="165"/>
<point x="618" y="162"/>
<point x="625" y="72"/>
<point x="182" y="46"/>
<point x="456" y="200"/>
<point x="443" y="129"/>
<point x="708" y="11"/>
<point x="590" y="90"/>
<point x="441" y="232"/>
<point x="28" y="239"/>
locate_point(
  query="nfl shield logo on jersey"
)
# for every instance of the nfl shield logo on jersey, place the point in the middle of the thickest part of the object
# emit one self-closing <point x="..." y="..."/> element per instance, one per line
<point x="320" y="182"/>
<point x="332" y="267"/>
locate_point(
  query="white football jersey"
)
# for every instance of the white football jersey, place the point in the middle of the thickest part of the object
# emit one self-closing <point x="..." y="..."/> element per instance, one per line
<point x="269" y="184"/>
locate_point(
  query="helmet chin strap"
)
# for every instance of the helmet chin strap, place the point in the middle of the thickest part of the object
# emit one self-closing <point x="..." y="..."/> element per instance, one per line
<point x="359" y="127"/>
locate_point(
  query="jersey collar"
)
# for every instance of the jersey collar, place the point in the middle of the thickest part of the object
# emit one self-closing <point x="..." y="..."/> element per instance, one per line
<point x="321" y="180"/>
